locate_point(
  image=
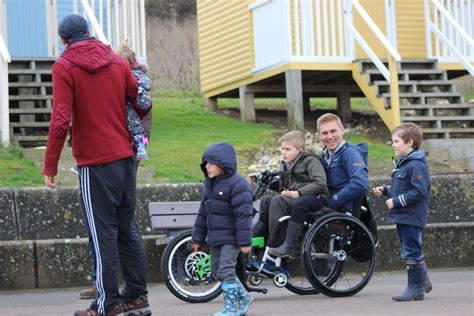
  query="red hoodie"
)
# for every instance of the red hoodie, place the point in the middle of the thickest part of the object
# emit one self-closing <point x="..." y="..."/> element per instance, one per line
<point x="90" y="86"/>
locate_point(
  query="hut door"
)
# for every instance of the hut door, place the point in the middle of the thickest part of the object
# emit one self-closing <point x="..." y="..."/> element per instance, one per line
<point x="26" y="27"/>
<point x="391" y="23"/>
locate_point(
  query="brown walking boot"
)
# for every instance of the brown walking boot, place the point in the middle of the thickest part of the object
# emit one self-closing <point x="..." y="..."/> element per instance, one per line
<point x="88" y="293"/>
<point x="139" y="306"/>
<point x="117" y="310"/>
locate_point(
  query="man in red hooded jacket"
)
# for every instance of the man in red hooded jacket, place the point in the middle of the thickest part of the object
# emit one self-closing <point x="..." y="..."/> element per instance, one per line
<point x="90" y="87"/>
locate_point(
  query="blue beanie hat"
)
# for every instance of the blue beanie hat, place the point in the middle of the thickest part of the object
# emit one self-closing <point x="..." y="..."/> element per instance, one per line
<point x="72" y="26"/>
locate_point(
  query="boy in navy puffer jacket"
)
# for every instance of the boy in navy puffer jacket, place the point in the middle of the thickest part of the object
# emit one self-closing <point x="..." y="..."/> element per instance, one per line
<point x="224" y="221"/>
<point x="408" y="204"/>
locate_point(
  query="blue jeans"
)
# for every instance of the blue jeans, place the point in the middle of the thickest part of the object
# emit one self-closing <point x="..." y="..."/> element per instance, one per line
<point x="410" y="242"/>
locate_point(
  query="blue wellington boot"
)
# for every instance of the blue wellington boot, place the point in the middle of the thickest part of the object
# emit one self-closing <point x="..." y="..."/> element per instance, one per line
<point x="231" y="299"/>
<point x="415" y="290"/>
<point x="245" y="298"/>
<point x="426" y="280"/>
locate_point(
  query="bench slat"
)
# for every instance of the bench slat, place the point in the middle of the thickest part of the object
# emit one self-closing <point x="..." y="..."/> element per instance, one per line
<point x="175" y="208"/>
<point x="173" y="222"/>
<point x="174" y="216"/>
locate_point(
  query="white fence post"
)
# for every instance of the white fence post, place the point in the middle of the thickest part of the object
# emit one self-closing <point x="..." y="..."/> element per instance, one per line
<point x="4" y="104"/>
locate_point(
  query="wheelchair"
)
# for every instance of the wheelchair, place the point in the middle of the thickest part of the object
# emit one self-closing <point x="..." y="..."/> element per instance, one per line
<point x="337" y="257"/>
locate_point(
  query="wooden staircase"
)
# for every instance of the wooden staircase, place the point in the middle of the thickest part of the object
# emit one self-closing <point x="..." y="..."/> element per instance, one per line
<point x="427" y="98"/>
<point x="30" y="98"/>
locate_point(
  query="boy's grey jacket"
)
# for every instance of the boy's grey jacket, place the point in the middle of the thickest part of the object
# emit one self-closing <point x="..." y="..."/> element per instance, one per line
<point x="347" y="175"/>
<point x="410" y="190"/>
<point x="225" y="214"/>
<point x="305" y="175"/>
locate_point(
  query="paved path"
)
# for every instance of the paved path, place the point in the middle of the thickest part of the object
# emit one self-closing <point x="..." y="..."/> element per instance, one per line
<point x="453" y="294"/>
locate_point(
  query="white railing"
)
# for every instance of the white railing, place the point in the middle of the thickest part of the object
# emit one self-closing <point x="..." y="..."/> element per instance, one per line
<point x="377" y="32"/>
<point x="269" y="18"/>
<point x="112" y="21"/>
<point x="322" y="38"/>
<point x="4" y="107"/>
<point x="97" y="29"/>
<point x="316" y="32"/>
<point x="450" y="31"/>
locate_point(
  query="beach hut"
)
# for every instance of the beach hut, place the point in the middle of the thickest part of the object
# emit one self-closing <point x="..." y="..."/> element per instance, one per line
<point x="29" y="45"/>
<point x="399" y="54"/>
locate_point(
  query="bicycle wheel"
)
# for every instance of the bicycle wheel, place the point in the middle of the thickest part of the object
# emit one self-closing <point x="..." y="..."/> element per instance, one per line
<point x="339" y="255"/>
<point x="187" y="274"/>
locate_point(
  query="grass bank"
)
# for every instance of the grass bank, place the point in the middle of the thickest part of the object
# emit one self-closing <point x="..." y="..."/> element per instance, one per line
<point x="16" y="171"/>
<point x="182" y="129"/>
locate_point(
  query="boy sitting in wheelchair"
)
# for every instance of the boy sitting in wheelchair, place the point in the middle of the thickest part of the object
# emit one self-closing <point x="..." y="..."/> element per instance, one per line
<point x="302" y="190"/>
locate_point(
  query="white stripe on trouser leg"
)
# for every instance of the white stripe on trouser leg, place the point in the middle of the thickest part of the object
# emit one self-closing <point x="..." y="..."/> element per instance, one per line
<point x="86" y="197"/>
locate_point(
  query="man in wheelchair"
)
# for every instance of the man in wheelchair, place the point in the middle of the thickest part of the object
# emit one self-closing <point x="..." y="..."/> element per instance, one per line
<point x="346" y="171"/>
<point x="345" y="165"/>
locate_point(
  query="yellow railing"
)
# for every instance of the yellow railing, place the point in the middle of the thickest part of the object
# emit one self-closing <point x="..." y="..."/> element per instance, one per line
<point x="391" y="117"/>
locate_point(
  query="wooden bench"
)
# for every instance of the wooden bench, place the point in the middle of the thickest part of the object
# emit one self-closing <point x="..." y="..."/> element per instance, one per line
<point x="173" y="217"/>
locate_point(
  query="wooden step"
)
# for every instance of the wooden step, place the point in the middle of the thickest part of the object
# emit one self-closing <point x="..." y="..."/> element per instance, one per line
<point x="422" y="98"/>
<point x="429" y="95"/>
<point x="31" y="138"/>
<point x="416" y="83"/>
<point x="436" y="106"/>
<point x="454" y="130"/>
<point x="19" y="140"/>
<point x="411" y="71"/>
<point x="416" y="86"/>
<point x="29" y="97"/>
<point x="29" y="71"/>
<point x="405" y="64"/>
<point x="418" y="64"/>
<point x="438" y="118"/>
<point x="30" y="84"/>
<point x="29" y="124"/>
<point x="31" y="111"/>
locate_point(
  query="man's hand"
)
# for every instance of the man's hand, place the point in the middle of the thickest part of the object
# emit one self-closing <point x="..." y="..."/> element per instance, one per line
<point x="291" y="194"/>
<point x="50" y="182"/>
<point x="389" y="203"/>
<point x="245" y="249"/>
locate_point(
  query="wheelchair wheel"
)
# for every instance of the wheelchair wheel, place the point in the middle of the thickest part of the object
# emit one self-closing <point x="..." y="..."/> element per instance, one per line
<point x="186" y="273"/>
<point x="297" y="281"/>
<point x="338" y="255"/>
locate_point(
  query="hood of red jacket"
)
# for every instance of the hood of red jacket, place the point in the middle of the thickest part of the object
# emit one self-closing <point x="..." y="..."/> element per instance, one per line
<point x="90" y="55"/>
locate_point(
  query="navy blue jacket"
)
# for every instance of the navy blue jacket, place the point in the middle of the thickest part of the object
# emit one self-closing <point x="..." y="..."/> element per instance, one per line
<point x="225" y="214"/>
<point x="347" y="175"/>
<point x="410" y="190"/>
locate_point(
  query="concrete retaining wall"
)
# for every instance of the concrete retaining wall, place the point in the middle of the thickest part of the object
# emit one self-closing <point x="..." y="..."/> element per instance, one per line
<point x="38" y="213"/>
<point x="58" y="263"/>
<point x="42" y="232"/>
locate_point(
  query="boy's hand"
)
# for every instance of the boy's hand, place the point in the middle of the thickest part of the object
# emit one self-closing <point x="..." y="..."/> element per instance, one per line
<point x="291" y="194"/>
<point x="246" y="249"/>
<point x="195" y="247"/>
<point x="378" y="191"/>
<point x="252" y="177"/>
<point x="389" y="203"/>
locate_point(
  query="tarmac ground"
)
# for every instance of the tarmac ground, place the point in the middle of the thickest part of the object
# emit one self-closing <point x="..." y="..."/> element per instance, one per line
<point x="453" y="294"/>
